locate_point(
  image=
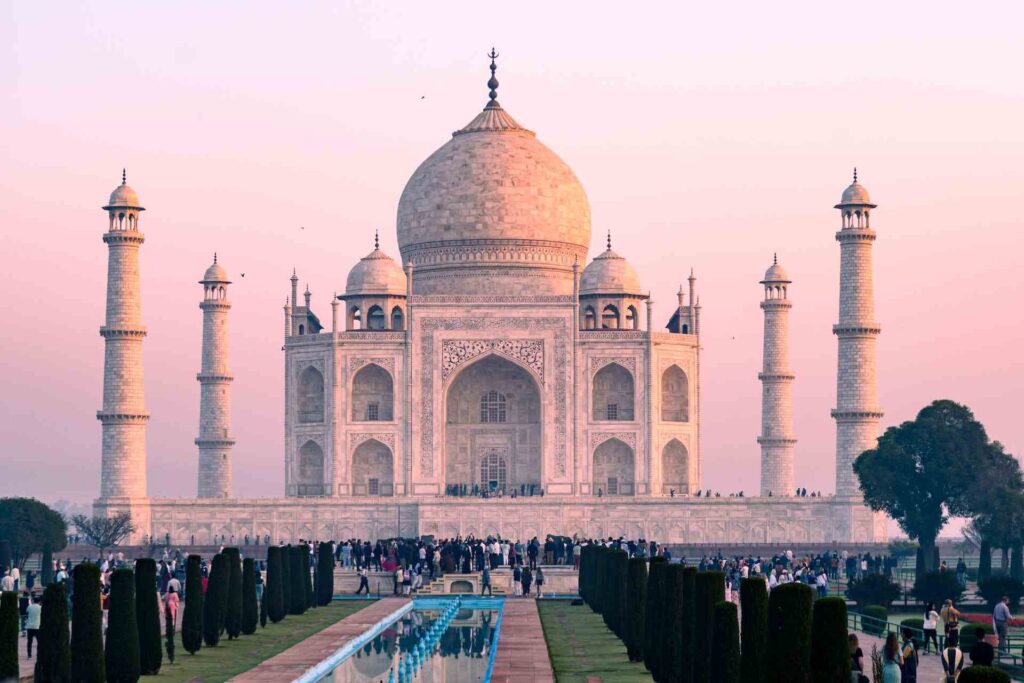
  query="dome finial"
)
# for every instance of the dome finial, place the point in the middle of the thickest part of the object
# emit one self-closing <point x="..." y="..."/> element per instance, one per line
<point x="493" y="82"/>
<point x="854" y="174"/>
<point x="609" y="239"/>
<point x="124" y="176"/>
<point x="376" y="240"/>
<point x="775" y="259"/>
<point x="214" y="258"/>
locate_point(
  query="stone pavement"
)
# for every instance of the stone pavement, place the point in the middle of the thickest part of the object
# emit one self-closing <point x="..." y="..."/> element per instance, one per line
<point x="522" y="651"/>
<point x="294" y="661"/>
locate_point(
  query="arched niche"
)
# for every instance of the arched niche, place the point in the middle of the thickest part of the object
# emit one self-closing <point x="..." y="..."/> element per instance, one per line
<point x="373" y="395"/>
<point x="612" y="394"/>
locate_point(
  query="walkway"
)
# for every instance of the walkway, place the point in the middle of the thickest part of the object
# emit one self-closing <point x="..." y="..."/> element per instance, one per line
<point x="522" y="651"/>
<point x="294" y="661"/>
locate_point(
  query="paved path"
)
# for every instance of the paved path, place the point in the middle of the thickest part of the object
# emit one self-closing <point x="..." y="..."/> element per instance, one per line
<point x="522" y="651"/>
<point x="929" y="668"/>
<point x="294" y="661"/>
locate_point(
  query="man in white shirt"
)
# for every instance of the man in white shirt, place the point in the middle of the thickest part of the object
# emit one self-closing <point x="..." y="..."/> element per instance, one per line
<point x="7" y="583"/>
<point x="35" y="612"/>
<point x="1001" y="622"/>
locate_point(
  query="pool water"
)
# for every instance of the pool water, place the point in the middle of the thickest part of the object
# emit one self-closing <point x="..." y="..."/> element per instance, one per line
<point x="438" y="639"/>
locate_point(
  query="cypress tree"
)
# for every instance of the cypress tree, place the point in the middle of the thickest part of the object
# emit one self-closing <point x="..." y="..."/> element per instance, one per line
<point x="615" y="614"/>
<point x="263" y="608"/>
<point x="754" y="615"/>
<point x="53" y="658"/>
<point x="273" y="592"/>
<point x="830" y="651"/>
<point x="325" y="575"/>
<point x="9" y="628"/>
<point x="46" y="570"/>
<point x="671" y="662"/>
<point x="1017" y="562"/>
<point x="725" y="646"/>
<point x="147" y="613"/>
<point x="122" y="649"/>
<point x="233" y="616"/>
<point x="710" y="590"/>
<point x="87" y="664"/>
<point x="984" y="562"/>
<point x="307" y="555"/>
<point x="636" y="605"/>
<point x="222" y="608"/>
<point x="299" y="575"/>
<point x="169" y="634"/>
<point x="5" y="555"/>
<point x="690" y="624"/>
<point x="286" y="579"/>
<point x="788" y="658"/>
<point x="250" y="610"/>
<point x="212" y="616"/>
<point x="653" y="621"/>
<point x="192" y="619"/>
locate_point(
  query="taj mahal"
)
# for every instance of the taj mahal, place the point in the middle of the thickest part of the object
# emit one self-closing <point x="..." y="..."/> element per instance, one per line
<point x="492" y="379"/>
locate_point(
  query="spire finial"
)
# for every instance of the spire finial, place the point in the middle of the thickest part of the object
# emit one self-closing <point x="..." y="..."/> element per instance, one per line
<point x="609" y="239"/>
<point x="376" y="240"/>
<point x="775" y="259"/>
<point x="854" y="174"/>
<point x="493" y="82"/>
<point x="214" y="258"/>
<point x="124" y="176"/>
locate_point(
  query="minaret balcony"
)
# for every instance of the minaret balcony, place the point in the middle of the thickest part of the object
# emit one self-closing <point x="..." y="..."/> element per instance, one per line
<point x="214" y="377"/>
<point x="856" y="415"/>
<point x="121" y="418"/>
<point x="775" y="441"/>
<point x="115" y="331"/>
<point x="124" y="237"/>
<point x="776" y="376"/>
<point x="214" y="443"/>
<point x="858" y="330"/>
<point x="856" y="235"/>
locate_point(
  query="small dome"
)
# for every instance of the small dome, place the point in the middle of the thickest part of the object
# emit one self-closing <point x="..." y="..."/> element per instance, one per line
<point x="124" y="197"/>
<point x="776" y="274"/>
<point x="376" y="273"/>
<point x="609" y="273"/>
<point x="855" y="195"/>
<point x="215" y="274"/>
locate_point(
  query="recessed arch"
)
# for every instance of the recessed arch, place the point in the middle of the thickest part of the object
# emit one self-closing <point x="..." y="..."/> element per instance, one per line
<point x="355" y="318"/>
<point x="373" y="395"/>
<point x="675" y="395"/>
<point x="589" y="318"/>
<point x="610" y="318"/>
<point x="632" y="318"/>
<point x="614" y="469"/>
<point x="675" y="467"/>
<point x="612" y="394"/>
<point x="311" y="396"/>
<point x="373" y="469"/>
<point x="375" y="318"/>
<point x="397" y="318"/>
<point x="310" y="470"/>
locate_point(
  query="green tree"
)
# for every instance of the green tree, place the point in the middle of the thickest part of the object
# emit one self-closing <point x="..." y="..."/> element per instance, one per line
<point x="29" y="526"/>
<point x="615" y="613"/>
<point x="250" y="610"/>
<point x="233" y="615"/>
<point x="710" y="591"/>
<point x="6" y="560"/>
<point x="924" y="471"/>
<point x="9" y="628"/>
<point x="873" y="589"/>
<point x="984" y="561"/>
<point x="273" y="591"/>
<point x="830" y="651"/>
<point x="996" y="586"/>
<point x="213" y="603"/>
<point x="636" y="605"/>
<point x="688" y="672"/>
<point x="147" y="614"/>
<point x="53" y="658"/>
<point x="725" y="645"/>
<point x="87" y="664"/>
<point x="325" y="574"/>
<point x="122" y="647"/>
<point x="299" y="574"/>
<point x="936" y="587"/>
<point x="754" y="599"/>
<point x="307" y="579"/>
<point x="789" y="634"/>
<point x="192" y="619"/>
<point x="654" y="622"/>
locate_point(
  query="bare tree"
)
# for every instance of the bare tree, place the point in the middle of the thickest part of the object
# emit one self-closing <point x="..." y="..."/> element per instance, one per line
<point x="105" y="532"/>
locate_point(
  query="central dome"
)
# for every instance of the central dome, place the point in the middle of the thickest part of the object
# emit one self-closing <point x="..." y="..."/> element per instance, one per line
<point x="495" y="209"/>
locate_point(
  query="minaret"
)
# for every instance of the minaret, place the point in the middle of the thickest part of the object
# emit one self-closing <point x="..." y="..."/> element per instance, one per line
<point x="777" y="442"/>
<point x="857" y="413"/>
<point x="124" y="415"/>
<point x="214" y="439"/>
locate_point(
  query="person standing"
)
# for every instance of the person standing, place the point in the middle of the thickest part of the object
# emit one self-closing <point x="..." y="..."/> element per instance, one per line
<point x="930" y="626"/>
<point x="982" y="653"/>
<point x="517" y="578"/>
<point x="540" y="582"/>
<point x="527" y="581"/>
<point x="485" y="581"/>
<point x="34" y="614"/>
<point x="1001" y="622"/>
<point x="892" y="660"/>
<point x="952" y="658"/>
<point x="908" y="673"/>
<point x="950" y="619"/>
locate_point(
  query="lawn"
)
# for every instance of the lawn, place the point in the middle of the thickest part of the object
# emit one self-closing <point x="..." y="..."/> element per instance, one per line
<point x="581" y="646"/>
<point x="230" y="658"/>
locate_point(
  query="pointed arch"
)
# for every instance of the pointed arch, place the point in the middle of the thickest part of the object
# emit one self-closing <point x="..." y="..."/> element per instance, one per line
<point x="397" y="319"/>
<point x="373" y="469"/>
<point x="675" y="395"/>
<point x="589" y="318"/>
<point x="311" y="396"/>
<point x="375" y="318"/>
<point x="310" y="470"/>
<point x="614" y="469"/>
<point x="610" y="318"/>
<point x="373" y="395"/>
<point x="612" y="394"/>
<point x="675" y="467"/>
<point x="632" y="318"/>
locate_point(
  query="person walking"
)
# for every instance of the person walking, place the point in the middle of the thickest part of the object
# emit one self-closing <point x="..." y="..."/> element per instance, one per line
<point x="1001" y="622"/>
<point x="930" y="626"/>
<point x="171" y="603"/>
<point x="527" y="581"/>
<point x="485" y="581"/>
<point x="540" y="582"/>
<point x="952" y="659"/>
<point x="892" y="660"/>
<point x="517" y="578"/>
<point x="364" y="582"/>
<point x="856" y="660"/>
<point x="34" y="615"/>
<point x="908" y="673"/>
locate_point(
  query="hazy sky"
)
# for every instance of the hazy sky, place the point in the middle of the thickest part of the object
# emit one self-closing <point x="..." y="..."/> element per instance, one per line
<point x="705" y="134"/>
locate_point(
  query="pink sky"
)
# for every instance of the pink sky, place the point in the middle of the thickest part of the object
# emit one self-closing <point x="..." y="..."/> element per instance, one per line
<point x="708" y="134"/>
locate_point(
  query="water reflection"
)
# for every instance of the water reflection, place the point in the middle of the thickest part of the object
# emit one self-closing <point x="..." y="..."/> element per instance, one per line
<point x="462" y="653"/>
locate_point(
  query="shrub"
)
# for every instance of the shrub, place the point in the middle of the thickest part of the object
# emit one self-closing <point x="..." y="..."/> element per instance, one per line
<point x="937" y="587"/>
<point x="672" y="640"/>
<point x="913" y="622"/>
<point x="686" y="674"/>
<point x="654" y="622"/>
<point x="984" y="561"/>
<point x="967" y="637"/>
<point x="710" y="590"/>
<point x="983" y="674"/>
<point x="273" y="592"/>
<point x="216" y="586"/>
<point x="299" y="574"/>
<point x="53" y="658"/>
<point x="325" y="575"/>
<point x="998" y="585"/>
<point x="87" y="665"/>
<point x="169" y="635"/>
<point x="233" y="613"/>
<point x="874" y="589"/>
<point x="147" y="613"/>
<point x="754" y="613"/>
<point x="636" y="605"/>
<point x="250" y="610"/>
<point x="830" y="651"/>
<point x="122" y="647"/>
<point x="875" y="623"/>
<point x="615" y="613"/>
<point x="6" y="559"/>
<point x="192" y="619"/>
<point x="788" y="659"/>
<point x="286" y="578"/>
<point x="725" y="645"/>
<point x="9" y="628"/>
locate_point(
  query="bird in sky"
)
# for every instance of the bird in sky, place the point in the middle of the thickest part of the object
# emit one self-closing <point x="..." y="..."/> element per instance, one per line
<point x="243" y="274"/>
<point x="423" y="97"/>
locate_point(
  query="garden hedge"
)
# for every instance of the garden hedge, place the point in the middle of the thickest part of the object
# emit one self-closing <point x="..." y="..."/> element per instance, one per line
<point x="192" y="619"/>
<point x="754" y="598"/>
<point x="87" y="664"/>
<point x="233" y="613"/>
<point x="725" y="645"/>
<point x="710" y="590"/>
<point x="250" y="610"/>
<point x="877" y="615"/>
<point x="937" y="587"/>
<point x="830" y="650"/>
<point x="147" y="613"/>
<point x="636" y="606"/>
<point x="788" y="658"/>
<point x="53" y="656"/>
<point x="122" y="646"/>
<point x="654" y="621"/>
<point x="997" y="585"/>
<point x="273" y="591"/>
<point x="9" y="628"/>
<point x="873" y="589"/>
<point x="325" y="575"/>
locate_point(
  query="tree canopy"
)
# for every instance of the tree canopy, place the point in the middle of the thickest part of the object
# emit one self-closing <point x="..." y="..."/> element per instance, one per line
<point x="105" y="532"/>
<point x="940" y="464"/>
<point x="29" y="525"/>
